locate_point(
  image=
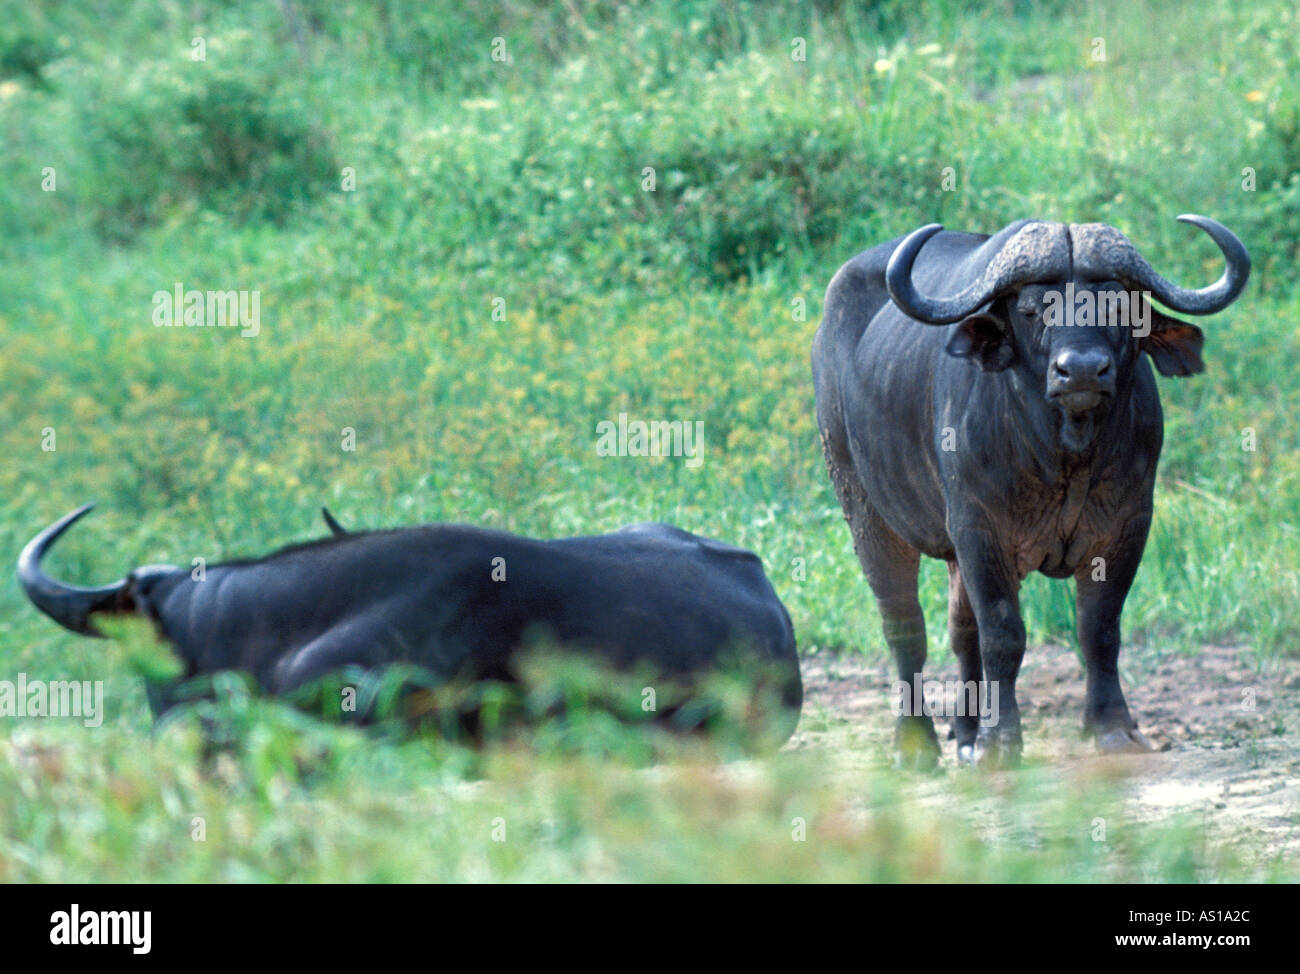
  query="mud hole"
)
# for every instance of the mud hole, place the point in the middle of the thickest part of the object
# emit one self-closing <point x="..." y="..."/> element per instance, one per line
<point x="1227" y="736"/>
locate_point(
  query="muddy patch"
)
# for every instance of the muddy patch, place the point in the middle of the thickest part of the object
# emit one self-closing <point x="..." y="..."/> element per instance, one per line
<point x="1226" y="730"/>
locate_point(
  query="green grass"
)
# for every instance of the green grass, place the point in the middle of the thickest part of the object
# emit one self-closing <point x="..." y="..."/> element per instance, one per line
<point x="81" y="807"/>
<point x="478" y="180"/>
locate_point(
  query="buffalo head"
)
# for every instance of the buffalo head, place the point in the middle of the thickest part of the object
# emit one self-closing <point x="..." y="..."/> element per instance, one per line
<point x="1067" y="308"/>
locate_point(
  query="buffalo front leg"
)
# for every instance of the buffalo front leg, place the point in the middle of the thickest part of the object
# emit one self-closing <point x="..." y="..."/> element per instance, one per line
<point x="963" y="635"/>
<point x="1101" y="587"/>
<point x="994" y="592"/>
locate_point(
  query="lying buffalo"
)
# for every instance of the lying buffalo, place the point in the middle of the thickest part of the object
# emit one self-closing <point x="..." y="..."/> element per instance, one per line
<point x="462" y="604"/>
<point x="989" y="400"/>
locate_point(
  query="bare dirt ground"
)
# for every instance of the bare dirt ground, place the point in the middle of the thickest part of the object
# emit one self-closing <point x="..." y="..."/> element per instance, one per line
<point x="1226" y="733"/>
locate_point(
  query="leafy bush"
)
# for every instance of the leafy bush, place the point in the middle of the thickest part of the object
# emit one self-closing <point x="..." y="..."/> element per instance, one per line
<point x="221" y="143"/>
<point x="136" y="141"/>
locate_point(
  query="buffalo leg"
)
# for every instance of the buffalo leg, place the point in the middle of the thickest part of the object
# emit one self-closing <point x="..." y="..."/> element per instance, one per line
<point x="356" y="643"/>
<point x="963" y="634"/>
<point x="891" y="567"/>
<point x="367" y="644"/>
<point x="994" y="591"/>
<point x="1101" y="587"/>
<point x="916" y="745"/>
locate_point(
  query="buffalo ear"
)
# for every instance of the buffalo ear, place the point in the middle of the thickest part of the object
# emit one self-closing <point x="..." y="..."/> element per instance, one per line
<point x="1174" y="346"/>
<point x="983" y="338"/>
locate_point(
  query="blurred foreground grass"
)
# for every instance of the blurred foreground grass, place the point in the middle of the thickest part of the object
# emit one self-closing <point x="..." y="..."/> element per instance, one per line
<point x="303" y="802"/>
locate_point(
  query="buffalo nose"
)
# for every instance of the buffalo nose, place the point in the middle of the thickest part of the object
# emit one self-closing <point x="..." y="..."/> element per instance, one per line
<point x="1078" y="368"/>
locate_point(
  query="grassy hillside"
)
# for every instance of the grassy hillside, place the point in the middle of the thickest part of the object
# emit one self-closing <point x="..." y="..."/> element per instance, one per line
<point x="476" y="235"/>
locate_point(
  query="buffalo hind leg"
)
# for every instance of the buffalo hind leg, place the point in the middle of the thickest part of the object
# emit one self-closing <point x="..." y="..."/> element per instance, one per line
<point x="916" y="745"/>
<point x="891" y="566"/>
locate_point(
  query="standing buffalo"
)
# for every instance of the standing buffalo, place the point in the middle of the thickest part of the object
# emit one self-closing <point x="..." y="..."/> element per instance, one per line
<point x="1022" y="437"/>
<point x="462" y="604"/>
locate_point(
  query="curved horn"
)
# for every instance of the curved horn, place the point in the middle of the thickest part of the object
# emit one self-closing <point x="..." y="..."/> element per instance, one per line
<point x="1029" y="250"/>
<point x="1104" y="252"/>
<point x="336" y="529"/>
<point x="931" y="311"/>
<point x="68" y="605"/>
<point x="1207" y="300"/>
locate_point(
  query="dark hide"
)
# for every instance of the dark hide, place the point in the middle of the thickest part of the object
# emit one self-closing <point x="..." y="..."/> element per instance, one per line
<point x="647" y="598"/>
<point x="1002" y="446"/>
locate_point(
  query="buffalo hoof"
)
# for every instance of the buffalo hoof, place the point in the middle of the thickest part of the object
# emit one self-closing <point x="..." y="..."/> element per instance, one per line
<point x="995" y="749"/>
<point x="916" y="745"/>
<point x="1123" y="740"/>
